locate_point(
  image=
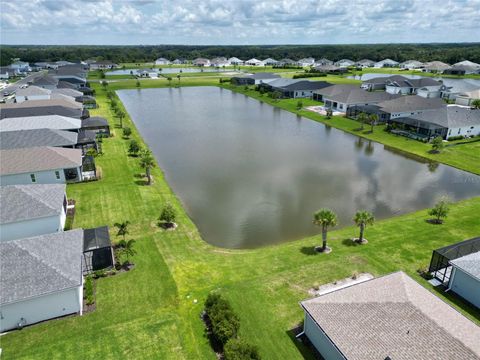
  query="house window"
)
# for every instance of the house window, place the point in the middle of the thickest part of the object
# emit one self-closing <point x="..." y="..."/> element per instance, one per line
<point x="32" y="177"/>
<point x="57" y="174"/>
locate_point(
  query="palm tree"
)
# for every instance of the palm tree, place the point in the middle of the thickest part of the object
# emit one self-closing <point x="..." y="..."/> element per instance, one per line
<point x="122" y="228"/>
<point x="325" y="218"/>
<point x="362" y="117"/>
<point x="120" y="115"/>
<point x="147" y="162"/>
<point x="373" y="118"/>
<point x="127" y="248"/>
<point x="362" y="219"/>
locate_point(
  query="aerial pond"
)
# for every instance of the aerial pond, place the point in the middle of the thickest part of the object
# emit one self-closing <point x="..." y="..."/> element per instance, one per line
<point x="250" y="174"/>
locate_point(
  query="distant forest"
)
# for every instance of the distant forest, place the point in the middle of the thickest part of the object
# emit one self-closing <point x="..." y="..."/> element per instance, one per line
<point x="449" y="53"/>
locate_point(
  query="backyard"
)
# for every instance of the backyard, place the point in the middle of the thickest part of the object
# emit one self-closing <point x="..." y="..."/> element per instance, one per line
<point x="154" y="310"/>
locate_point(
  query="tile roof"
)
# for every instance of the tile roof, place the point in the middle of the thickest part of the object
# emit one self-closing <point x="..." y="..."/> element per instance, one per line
<point x="39" y="122"/>
<point x="40" y="265"/>
<point x="36" y="137"/>
<point x="469" y="264"/>
<point x="25" y="202"/>
<point x="394" y="316"/>
<point x="19" y="161"/>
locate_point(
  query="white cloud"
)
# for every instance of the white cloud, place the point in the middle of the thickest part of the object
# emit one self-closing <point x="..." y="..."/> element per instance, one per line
<point x="238" y="22"/>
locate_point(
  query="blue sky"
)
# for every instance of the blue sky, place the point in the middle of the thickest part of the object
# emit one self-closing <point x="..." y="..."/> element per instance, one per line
<point x="238" y="22"/>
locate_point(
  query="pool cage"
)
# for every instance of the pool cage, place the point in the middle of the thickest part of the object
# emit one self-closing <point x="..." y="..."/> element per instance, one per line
<point x="97" y="250"/>
<point x="440" y="266"/>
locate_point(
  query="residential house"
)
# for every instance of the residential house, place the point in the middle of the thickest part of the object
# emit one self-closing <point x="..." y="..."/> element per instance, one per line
<point x="467" y="97"/>
<point x="31" y="210"/>
<point x="32" y="93"/>
<point x="219" y="62"/>
<point x="55" y="122"/>
<point x="447" y="121"/>
<point x="330" y="69"/>
<point x="425" y="87"/>
<point x="465" y="278"/>
<point x="341" y="97"/>
<point x="41" y="278"/>
<point x="457" y="70"/>
<point x="305" y="62"/>
<point x="45" y="81"/>
<point x="295" y="88"/>
<point x="162" y="61"/>
<point x="41" y="165"/>
<point x="29" y="108"/>
<point x="254" y="79"/>
<point x="235" y="61"/>
<point x="7" y="72"/>
<point x="201" y="62"/>
<point x="469" y="67"/>
<point x="435" y="67"/>
<point x="411" y="65"/>
<point x="323" y="62"/>
<point x="365" y="63"/>
<point x="286" y="62"/>
<point x="344" y="63"/>
<point x="385" y="63"/>
<point x="21" y="66"/>
<point x="270" y="62"/>
<point x="102" y="65"/>
<point x="254" y="62"/>
<point x="390" y="317"/>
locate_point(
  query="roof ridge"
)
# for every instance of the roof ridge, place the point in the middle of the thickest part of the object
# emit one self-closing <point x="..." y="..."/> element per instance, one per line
<point x="26" y="191"/>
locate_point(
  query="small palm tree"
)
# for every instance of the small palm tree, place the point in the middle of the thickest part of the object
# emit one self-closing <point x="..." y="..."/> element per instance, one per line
<point x="362" y="219"/>
<point x="122" y="228"/>
<point x="127" y="248"/>
<point x="325" y="218"/>
<point x="147" y="162"/>
<point x="120" y="115"/>
<point x="362" y="117"/>
<point x="373" y="118"/>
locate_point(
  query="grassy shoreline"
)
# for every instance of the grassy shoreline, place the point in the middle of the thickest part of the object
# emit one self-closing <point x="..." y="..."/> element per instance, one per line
<point x="150" y="312"/>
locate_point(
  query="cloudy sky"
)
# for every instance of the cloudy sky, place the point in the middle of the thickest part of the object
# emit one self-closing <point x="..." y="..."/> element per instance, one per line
<point x="238" y="22"/>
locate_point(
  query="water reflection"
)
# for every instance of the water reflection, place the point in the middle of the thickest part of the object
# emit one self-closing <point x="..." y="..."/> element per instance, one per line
<point x="249" y="174"/>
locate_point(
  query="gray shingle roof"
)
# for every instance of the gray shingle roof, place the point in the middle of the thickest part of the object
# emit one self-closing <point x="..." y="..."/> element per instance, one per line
<point x="94" y="121"/>
<point x="25" y="202"/>
<point x="40" y="122"/>
<point x="40" y="111"/>
<point x="411" y="103"/>
<point x="394" y="316"/>
<point x="19" y="161"/>
<point x="40" y="265"/>
<point x="354" y="95"/>
<point x="469" y="264"/>
<point x="306" y="85"/>
<point x="32" y="91"/>
<point x="450" y="116"/>
<point x="42" y="103"/>
<point x="41" y="137"/>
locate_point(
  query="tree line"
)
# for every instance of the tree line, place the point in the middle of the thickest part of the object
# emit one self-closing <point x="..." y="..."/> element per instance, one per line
<point x="449" y="53"/>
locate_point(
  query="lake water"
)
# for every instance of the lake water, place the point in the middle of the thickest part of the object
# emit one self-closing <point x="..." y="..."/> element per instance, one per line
<point x="250" y="174"/>
<point x="164" y="71"/>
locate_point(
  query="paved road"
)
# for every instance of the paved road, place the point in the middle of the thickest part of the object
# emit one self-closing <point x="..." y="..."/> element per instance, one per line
<point x="13" y="87"/>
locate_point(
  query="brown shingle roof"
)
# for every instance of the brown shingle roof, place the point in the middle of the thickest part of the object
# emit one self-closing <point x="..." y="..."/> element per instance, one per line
<point x="394" y="316"/>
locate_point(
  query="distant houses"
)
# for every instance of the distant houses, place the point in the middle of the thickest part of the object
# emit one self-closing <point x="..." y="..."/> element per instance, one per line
<point x="254" y="62"/>
<point x="385" y="63"/>
<point x="254" y="79"/>
<point x="162" y="61"/>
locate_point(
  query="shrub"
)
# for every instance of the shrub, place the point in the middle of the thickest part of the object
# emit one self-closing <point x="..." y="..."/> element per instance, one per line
<point x="453" y="138"/>
<point x="237" y="349"/>
<point x="308" y="75"/>
<point x="437" y="144"/>
<point x="440" y="210"/>
<point x="224" y="322"/>
<point x="299" y="104"/>
<point x="127" y="132"/>
<point x="168" y="214"/>
<point x="89" y="290"/>
<point x="134" y="147"/>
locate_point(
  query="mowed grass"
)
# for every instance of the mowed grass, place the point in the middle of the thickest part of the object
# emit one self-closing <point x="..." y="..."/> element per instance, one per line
<point x="151" y="313"/>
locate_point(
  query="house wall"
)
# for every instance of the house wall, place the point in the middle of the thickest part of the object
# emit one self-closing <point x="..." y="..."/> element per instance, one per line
<point x="320" y="340"/>
<point x="41" y="308"/>
<point x="464" y="131"/>
<point x="466" y="286"/>
<point x="33" y="227"/>
<point x="42" y="177"/>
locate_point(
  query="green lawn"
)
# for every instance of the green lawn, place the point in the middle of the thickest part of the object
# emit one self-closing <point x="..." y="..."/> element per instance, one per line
<point x="150" y="312"/>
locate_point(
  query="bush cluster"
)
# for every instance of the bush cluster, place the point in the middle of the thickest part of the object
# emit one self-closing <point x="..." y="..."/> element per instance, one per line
<point x="453" y="138"/>
<point x="308" y="75"/>
<point x="89" y="290"/>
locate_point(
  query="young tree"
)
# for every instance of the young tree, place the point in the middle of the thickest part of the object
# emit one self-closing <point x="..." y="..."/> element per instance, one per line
<point x="138" y="83"/>
<point x="121" y="116"/>
<point x="104" y="85"/>
<point x="440" y="210"/>
<point x="373" y="119"/>
<point x="169" y="79"/>
<point x="147" y="162"/>
<point x="167" y="216"/>
<point x="325" y="218"/>
<point x="127" y="132"/>
<point x="127" y="249"/>
<point x="122" y="228"/>
<point x="437" y="144"/>
<point x="134" y="147"/>
<point x="362" y="117"/>
<point x="178" y="77"/>
<point x="476" y="103"/>
<point x="299" y="104"/>
<point x="362" y="219"/>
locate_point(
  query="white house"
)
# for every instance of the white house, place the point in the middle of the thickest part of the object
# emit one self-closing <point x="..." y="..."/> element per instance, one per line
<point x="344" y="63"/>
<point x="306" y="62"/>
<point x="425" y="87"/>
<point x="40" y="165"/>
<point x="411" y="65"/>
<point x="270" y="61"/>
<point x="465" y="278"/>
<point x="31" y="210"/>
<point x="201" y="62"/>
<point x="254" y="62"/>
<point x="41" y="278"/>
<point x="390" y="317"/>
<point x="365" y="63"/>
<point x="385" y="63"/>
<point x="21" y="66"/>
<point x="32" y="93"/>
<point x="323" y="62"/>
<point x="435" y="66"/>
<point x="469" y="66"/>
<point x="162" y="61"/>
